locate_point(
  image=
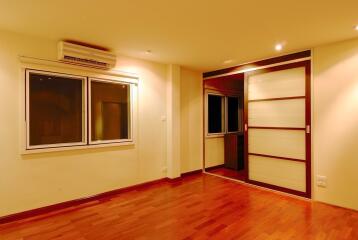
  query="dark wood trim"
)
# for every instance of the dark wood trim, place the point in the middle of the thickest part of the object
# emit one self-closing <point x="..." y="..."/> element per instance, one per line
<point x="307" y="97"/>
<point x="307" y="65"/>
<point x="260" y="63"/>
<point x="203" y="97"/>
<point x="277" y="128"/>
<point x="95" y="199"/>
<point x="246" y="130"/>
<point x="199" y="171"/>
<point x="214" y="167"/>
<point x="223" y="92"/>
<point x="279" y="68"/>
<point x="278" y="188"/>
<point x="277" y="99"/>
<point x="308" y="134"/>
<point x="278" y="157"/>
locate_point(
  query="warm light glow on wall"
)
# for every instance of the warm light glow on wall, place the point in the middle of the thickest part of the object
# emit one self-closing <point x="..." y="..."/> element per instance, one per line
<point x="228" y="61"/>
<point x="278" y="47"/>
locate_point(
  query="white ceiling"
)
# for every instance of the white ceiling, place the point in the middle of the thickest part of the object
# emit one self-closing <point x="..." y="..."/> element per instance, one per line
<point x="199" y="34"/>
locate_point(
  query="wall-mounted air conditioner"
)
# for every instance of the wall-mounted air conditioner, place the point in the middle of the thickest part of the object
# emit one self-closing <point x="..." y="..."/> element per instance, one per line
<point x="86" y="56"/>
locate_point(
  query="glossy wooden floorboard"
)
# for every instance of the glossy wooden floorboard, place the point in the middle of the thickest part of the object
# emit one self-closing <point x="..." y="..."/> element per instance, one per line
<point x="230" y="173"/>
<point x="197" y="207"/>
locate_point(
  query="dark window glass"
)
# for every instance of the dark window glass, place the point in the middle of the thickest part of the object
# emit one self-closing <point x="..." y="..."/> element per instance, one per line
<point x="215" y="114"/>
<point x="233" y="114"/>
<point x="109" y="111"/>
<point x="55" y="109"/>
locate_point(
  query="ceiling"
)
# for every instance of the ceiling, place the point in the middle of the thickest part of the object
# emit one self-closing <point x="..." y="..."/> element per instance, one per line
<point x="198" y="34"/>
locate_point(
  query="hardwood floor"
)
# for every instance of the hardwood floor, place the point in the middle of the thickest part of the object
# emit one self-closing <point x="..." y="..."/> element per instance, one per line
<point x="230" y="173"/>
<point x="196" y="207"/>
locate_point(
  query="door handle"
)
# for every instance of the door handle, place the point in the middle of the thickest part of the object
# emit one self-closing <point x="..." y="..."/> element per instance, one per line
<point x="308" y="129"/>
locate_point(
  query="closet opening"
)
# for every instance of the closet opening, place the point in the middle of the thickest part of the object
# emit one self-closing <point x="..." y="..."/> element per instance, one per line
<point x="258" y="123"/>
<point x="224" y="117"/>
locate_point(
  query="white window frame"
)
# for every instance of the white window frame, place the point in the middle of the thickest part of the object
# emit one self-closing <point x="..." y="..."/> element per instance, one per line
<point x="223" y="115"/>
<point x="130" y="115"/>
<point x="53" y="66"/>
<point x="27" y="109"/>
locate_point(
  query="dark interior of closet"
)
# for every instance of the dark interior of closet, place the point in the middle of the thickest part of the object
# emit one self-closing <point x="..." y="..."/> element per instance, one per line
<point x="229" y="89"/>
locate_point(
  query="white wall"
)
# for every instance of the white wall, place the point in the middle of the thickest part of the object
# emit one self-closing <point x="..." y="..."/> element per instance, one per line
<point x="173" y="122"/>
<point x="335" y="122"/>
<point x="191" y="120"/>
<point x="32" y="181"/>
<point x="214" y="151"/>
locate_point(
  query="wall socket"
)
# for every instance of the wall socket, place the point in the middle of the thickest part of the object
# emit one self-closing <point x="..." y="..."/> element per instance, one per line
<point x="321" y="181"/>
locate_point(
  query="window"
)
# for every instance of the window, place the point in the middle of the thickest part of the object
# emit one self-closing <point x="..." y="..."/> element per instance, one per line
<point x="110" y="111"/>
<point x="234" y="120"/>
<point x="216" y="106"/>
<point x="57" y="112"/>
<point x="224" y="114"/>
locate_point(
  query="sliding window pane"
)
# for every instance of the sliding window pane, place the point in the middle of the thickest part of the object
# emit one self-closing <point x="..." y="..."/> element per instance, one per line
<point x="215" y="114"/>
<point x="55" y="109"/>
<point x="233" y="114"/>
<point x="110" y="111"/>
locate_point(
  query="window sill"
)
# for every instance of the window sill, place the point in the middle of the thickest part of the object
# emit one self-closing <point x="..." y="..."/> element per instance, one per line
<point x="80" y="147"/>
<point x="215" y="135"/>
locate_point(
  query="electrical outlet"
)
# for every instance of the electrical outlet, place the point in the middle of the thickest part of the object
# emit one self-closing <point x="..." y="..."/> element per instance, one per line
<point x="164" y="169"/>
<point x="321" y="181"/>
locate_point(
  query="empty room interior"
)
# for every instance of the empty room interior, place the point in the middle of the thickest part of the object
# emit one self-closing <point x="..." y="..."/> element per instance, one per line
<point x="178" y="120"/>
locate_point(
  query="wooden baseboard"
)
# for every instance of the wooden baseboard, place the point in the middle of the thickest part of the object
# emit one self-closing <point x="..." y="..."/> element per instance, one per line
<point x="199" y="171"/>
<point x="278" y="188"/>
<point x="96" y="199"/>
<point x="214" y="167"/>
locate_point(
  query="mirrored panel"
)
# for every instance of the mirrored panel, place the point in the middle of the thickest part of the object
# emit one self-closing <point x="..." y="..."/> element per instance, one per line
<point x="224" y="138"/>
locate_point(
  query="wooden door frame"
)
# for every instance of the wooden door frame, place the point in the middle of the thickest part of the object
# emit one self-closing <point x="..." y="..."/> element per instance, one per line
<point x="303" y="57"/>
<point x="307" y="65"/>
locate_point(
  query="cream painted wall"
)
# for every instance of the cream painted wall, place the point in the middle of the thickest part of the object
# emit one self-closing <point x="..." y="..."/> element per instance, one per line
<point x="32" y="181"/>
<point x="214" y="151"/>
<point x="335" y="122"/>
<point x="191" y="120"/>
<point x="173" y="122"/>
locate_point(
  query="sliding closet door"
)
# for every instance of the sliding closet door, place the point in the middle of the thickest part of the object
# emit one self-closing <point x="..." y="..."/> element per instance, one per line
<point x="278" y="128"/>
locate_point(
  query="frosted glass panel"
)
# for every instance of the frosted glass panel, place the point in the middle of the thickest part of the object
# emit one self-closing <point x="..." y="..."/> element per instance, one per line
<point x="214" y="151"/>
<point x="285" y="83"/>
<point x="278" y="172"/>
<point x="282" y="113"/>
<point x="281" y="143"/>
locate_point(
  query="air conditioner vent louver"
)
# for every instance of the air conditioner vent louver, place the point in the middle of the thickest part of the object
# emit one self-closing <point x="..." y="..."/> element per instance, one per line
<point x="86" y="61"/>
<point x="81" y="55"/>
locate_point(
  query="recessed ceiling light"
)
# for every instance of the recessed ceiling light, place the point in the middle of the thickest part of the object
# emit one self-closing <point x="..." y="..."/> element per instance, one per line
<point x="356" y="27"/>
<point x="228" y="61"/>
<point x="278" y="47"/>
